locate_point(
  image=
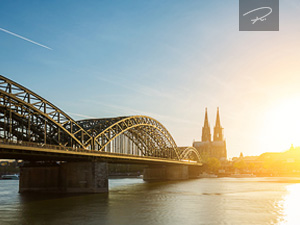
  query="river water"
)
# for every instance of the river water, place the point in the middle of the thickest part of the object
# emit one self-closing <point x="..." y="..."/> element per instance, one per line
<point x="133" y="201"/>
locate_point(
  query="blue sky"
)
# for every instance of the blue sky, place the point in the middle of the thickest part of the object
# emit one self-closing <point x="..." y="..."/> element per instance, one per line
<point x="165" y="59"/>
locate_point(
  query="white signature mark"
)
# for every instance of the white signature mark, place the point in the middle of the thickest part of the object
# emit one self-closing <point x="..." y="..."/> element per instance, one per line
<point x="263" y="18"/>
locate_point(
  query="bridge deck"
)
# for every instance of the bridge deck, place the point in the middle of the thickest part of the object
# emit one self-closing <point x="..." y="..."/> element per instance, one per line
<point x="33" y="151"/>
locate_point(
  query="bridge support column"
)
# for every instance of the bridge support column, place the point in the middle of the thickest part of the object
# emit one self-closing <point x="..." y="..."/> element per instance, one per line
<point x="177" y="172"/>
<point x="173" y="172"/>
<point x="70" y="177"/>
<point x="154" y="173"/>
<point x="194" y="172"/>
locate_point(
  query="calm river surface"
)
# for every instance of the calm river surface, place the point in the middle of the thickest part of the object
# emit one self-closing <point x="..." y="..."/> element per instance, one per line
<point x="133" y="201"/>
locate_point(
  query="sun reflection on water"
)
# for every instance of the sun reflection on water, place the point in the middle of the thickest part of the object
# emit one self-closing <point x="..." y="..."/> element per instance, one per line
<point x="291" y="205"/>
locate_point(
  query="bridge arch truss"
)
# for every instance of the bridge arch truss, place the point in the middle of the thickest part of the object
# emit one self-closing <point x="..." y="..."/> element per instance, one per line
<point x="150" y="136"/>
<point x="26" y="116"/>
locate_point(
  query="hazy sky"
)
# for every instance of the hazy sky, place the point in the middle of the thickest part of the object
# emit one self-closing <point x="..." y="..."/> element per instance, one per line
<point x="165" y="59"/>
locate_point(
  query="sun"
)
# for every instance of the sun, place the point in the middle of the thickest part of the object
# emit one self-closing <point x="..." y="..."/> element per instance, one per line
<point x="281" y="125"/>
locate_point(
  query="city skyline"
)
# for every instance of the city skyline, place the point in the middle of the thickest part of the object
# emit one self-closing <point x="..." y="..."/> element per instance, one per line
<point x="166" y="60"/>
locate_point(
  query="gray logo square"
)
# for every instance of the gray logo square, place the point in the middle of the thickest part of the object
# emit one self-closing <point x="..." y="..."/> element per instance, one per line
<point x="259" y="15"/>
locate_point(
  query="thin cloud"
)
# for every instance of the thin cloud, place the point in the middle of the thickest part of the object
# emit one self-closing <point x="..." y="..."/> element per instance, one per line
<point x="141" y="89"/>
<point x="123" y="110"/>
<point x="26" y="39"/>
<point x="80" y="115"/>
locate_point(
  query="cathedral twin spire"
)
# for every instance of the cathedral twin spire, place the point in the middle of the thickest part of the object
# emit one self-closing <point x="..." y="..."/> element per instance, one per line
<point x="218" y="130"/>
<point x="206" y="136"/>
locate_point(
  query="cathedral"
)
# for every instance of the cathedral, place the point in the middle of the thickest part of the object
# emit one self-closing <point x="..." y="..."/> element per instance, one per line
<point x="212" y="148"/>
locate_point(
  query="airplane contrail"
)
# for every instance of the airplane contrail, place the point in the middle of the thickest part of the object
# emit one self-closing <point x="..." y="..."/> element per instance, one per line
<point x="26" y="39"/>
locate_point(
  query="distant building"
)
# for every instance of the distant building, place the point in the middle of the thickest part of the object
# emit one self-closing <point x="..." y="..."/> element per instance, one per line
<point x="208" y="148"/>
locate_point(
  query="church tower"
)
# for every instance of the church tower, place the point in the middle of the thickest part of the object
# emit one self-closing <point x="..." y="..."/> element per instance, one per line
<point x="215" y="148"/>
<point x="218" y="130"/>
<point x="206" y="136"/>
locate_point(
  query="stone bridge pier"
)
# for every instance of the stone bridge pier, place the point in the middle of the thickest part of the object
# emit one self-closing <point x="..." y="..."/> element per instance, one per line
<point x="69" y="177"/>
<point x="170" y="172"/>
<point x="88" y="177"/>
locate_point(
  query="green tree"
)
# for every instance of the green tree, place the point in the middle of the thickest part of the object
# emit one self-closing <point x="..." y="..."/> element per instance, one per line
<point x="240" y="165"/>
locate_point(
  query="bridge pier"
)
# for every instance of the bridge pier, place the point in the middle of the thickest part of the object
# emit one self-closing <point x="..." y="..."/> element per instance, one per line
<point x="160" y="173"/>
<point x="70" y="177"/>
<point x="154" y="173"/>
<point x="194" y="172"/>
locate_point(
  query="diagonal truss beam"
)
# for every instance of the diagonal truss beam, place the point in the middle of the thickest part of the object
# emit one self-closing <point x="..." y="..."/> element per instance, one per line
<point x="38" y="105"/>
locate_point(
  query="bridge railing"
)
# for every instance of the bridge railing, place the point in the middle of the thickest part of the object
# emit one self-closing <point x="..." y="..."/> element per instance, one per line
<point x="33" y="144"/>
<point x="63" y="148"/>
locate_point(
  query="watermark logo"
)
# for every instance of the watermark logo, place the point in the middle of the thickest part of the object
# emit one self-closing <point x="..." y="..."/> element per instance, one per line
<point x="259" y="15"/>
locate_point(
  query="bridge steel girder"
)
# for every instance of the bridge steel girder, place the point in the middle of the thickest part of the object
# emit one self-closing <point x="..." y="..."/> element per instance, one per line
<point x="15" y="97"/>
<point x="108" y="129"/>
<point x="185" y="154"/>
<point x="26" y="116"/>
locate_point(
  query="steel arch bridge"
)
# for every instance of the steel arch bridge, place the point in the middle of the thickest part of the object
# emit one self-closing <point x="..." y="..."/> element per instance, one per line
<point x="27" y="117"/>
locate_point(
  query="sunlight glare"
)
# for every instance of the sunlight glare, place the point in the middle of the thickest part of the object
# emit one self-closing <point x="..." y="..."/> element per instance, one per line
<point x="281" y="125"/>
<point x="291" y="205"/>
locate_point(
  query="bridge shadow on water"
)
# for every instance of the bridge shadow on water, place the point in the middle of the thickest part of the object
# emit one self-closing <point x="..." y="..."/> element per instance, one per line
<point x="124" y="197"/>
